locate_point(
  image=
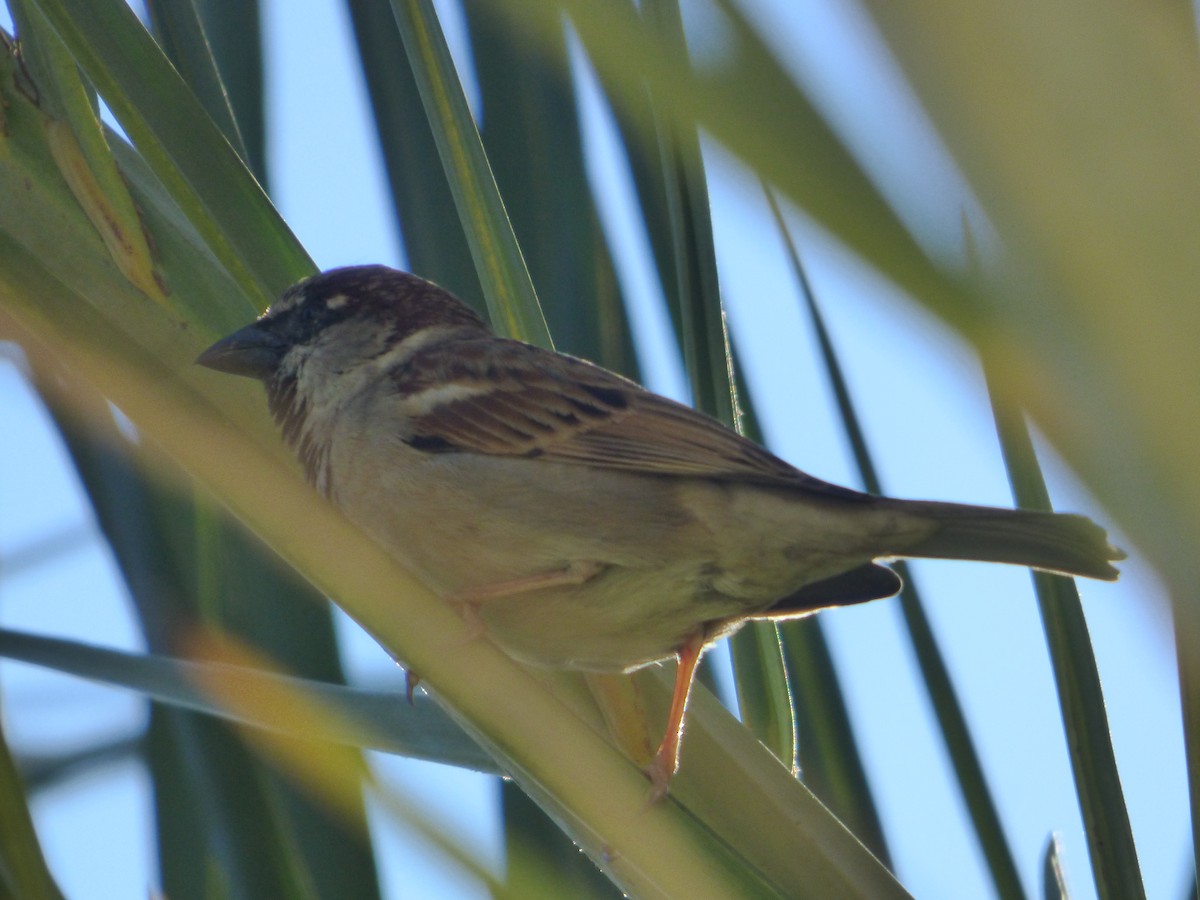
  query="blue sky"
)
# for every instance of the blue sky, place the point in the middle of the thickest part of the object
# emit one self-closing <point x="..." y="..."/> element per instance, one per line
<point x="926" y="416"/>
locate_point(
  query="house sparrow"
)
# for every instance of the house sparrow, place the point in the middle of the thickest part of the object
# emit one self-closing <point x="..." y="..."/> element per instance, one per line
<point x="583" y="521"/>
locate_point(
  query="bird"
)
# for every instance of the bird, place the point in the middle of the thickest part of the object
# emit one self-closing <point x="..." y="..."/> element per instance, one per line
<point x="577" y="519"/>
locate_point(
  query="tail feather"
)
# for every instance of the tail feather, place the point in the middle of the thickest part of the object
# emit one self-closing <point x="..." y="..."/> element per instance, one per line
<point x="867" y="582"/>
<point x="1053" y="542"/>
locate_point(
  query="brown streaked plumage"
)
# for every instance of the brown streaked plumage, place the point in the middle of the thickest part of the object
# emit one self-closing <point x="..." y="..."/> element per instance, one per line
<point x="525" y="402"/>
<point x="583" y="521"/>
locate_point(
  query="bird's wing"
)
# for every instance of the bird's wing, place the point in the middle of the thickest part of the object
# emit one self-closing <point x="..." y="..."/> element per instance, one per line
<point x="505" y="398"/>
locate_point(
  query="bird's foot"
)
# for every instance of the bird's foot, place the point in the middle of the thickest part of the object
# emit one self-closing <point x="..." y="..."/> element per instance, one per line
<point x="411" y="680"/>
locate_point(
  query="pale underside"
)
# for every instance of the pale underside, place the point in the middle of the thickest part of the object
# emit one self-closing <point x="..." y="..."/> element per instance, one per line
<point x="685" y="552"/>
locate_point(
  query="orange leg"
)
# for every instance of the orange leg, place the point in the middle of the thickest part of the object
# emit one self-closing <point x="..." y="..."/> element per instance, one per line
<point x="666" y="760"/>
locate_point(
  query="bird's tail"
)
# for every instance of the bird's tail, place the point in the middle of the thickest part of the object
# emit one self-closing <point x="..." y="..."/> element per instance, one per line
<point x="1053" y="542"/>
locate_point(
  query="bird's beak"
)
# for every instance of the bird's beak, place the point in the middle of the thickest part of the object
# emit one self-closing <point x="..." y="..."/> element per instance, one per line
<point x="252" y="351"/>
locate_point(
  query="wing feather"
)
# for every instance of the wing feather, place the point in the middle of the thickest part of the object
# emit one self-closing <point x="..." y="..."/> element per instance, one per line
<point x="519" y="400"/>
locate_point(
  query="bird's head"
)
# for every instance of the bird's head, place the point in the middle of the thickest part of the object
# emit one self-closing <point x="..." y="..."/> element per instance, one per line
<point x="329" y="335"/>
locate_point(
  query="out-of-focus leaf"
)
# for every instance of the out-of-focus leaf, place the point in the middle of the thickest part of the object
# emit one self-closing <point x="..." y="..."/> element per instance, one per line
<point x="181" y="34"/>
<point x="747" y="102"/>
<point x="1089" y="741"/>
<point x="636" y="122"/>
<point x="829" y="761"/>
<point x="705" y="341"/>
<point x="44" y="549"/>
<point x="1077" y="124"/>
<point x="23" y="871"/>
<point x="41" y="771"/>
<point x="392" y="725"/>
<point x="80" y="150"/>
<point x="38" y="219"/>
<point x="332" y="774"/>
<point x="434" y="240"/>
<point x="1186" y="650"/>
<point x="1054" y="877"/>
<point x="172" y="556"/>
<point x="537" y="864"/>
<point x="511" y="299"/>
<point x="936" y="675"/>
<point x="531" y="131"/>
<point x="186" y="151"/>
<point x="234" y="32"/>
